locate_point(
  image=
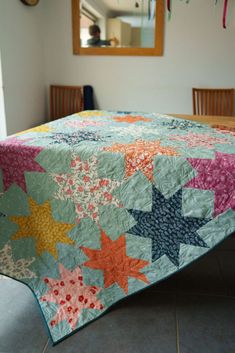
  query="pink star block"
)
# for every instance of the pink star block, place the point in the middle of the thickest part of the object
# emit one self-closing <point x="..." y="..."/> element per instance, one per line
<point x="195" y="140"/>
<point x="15" y="159"/>
<point x="71" y="295"/>
<point x="83" y="124"/>
<point x="84" y="187"/>
<point x="224" y="129"/>
<point x="217" y="175"/>
<point x="14" y="141"/>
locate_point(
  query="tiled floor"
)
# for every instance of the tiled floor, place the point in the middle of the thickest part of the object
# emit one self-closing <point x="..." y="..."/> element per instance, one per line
<point x="192" y="312"/>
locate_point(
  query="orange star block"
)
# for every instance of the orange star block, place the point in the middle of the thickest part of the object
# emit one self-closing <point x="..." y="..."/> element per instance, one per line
<point x="131" y="119"/>
<point x="139" y="155"/>
<point x="112" y="259"/>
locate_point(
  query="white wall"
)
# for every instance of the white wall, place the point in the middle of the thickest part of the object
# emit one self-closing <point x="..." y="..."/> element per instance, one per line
<point x="22" y="64"/>
<point x="198" y="52"/>
<point x="3" y="130"/>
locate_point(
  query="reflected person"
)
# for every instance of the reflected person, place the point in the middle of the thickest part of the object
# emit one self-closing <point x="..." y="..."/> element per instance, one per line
<point x="96" y="41"/>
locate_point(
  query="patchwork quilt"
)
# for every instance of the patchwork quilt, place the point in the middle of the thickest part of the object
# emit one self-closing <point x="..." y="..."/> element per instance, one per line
<point x="101" y="204"/>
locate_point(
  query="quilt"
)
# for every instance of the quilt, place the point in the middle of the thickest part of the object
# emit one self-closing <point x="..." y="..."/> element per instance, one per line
<point x="102" y="204"/>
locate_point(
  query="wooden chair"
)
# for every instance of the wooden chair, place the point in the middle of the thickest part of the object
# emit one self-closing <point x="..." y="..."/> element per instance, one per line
<point x="67" y="100"/>
<point x="212" y="101"/>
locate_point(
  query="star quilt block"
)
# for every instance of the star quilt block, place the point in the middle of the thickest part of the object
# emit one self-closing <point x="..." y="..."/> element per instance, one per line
<point x="101" y="204"/>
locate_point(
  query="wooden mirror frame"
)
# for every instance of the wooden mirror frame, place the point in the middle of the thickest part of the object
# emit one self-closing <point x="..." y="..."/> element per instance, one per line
<point x="157" y="50"/>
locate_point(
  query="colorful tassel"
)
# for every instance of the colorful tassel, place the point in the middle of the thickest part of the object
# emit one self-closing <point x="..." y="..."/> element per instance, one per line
<point x="216" y="1"/>
<point x="225" y="13"/>
<point x="169" y="5"/>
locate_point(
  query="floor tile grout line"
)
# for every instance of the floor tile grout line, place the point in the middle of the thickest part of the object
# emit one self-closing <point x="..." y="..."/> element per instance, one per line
<point x="177" y="337"/>
<point x="46" y="345"/>
<point x="225" y="250"/>
<point x="186" y="293"/>
<point x="177" y="327"/>
<point x="222" y="275"/>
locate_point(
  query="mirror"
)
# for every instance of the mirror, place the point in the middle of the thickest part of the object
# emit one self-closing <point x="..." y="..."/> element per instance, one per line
<point x="118" y="27"/>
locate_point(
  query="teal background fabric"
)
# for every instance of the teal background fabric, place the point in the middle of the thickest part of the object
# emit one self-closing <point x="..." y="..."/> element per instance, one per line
<point x="102" y="204"/>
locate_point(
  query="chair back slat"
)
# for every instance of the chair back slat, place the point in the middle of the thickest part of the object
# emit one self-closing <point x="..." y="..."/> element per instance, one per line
<point x="65" y="100"/>
<point x="213" y="101"/>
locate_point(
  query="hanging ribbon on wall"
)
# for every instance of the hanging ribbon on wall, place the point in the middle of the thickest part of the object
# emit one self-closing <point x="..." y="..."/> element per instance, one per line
<point x="151" y="9"/>
<point x="225" y="10"/>
<point x="225" y="13"/>
<point x="168" y="4"/>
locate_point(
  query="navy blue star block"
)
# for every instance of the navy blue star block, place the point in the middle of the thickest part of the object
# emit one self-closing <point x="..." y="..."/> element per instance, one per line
<point x="74" y="138"/>
<point x="182" y="125"/>
<point x="166" y="226"/>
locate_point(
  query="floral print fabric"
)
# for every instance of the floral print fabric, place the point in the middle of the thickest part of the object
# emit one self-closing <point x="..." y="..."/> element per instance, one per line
<point x="99" y="205"/>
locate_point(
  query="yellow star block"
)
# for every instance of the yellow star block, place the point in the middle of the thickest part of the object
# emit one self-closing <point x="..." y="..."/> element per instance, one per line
<point x="89" y="113"/>
<point x="41" y="128"/>
<point x="42" y="226"/>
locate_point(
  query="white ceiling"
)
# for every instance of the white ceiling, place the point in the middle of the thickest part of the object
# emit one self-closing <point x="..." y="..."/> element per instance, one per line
<point x="125" y="6"/>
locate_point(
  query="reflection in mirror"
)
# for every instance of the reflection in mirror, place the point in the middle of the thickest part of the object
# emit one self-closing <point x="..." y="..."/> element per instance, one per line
<point x="119" y="23"/>
<point x="116" y="27"/>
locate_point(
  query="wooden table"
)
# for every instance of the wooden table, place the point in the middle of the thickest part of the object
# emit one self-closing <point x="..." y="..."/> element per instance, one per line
<point x="228" y="121"/>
